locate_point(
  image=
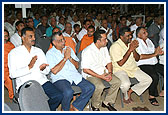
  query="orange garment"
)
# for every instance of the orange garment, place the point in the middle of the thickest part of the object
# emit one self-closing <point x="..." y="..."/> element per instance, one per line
<point x="86" y="41"/>
<point x="69" y="42"/>
<point x="50" y="46"/>
<point x="7" y="81"/>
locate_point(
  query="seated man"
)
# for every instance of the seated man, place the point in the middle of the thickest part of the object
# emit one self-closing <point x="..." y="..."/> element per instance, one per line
<point x="124" y="56"/>
<point x="63" y="63"/>
<point x="148" y="61"/>
<point x="87" y="39"/>
<point x="96" y="66"/>
<point x="27" y="62"/>
<point x="8" y="46"/>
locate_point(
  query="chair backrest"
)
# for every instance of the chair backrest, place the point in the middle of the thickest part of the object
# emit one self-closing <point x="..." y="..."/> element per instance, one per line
<point x="32" y="97"/>
<point x="6" y="107"/>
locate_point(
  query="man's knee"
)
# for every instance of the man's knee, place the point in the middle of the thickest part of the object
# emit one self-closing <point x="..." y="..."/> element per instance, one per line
<point x="68" y="93"/>
<point x="125" y="86"/>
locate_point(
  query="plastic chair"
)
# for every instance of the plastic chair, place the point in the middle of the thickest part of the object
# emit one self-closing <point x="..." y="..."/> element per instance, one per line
<point x="32" y="97"/>
<point x="6" y="107"/>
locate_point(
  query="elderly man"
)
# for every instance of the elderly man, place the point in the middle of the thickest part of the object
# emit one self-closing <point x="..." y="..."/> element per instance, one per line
<point x="63" y="63"/>
<point x="27" y="62"/>
<point x="148" y="61"/>
<point x="124" y="56"/>
<point x="96" y="66"/>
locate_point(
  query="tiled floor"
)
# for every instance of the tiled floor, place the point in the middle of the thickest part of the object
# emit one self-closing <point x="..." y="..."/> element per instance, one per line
<point x="137" y="102"/>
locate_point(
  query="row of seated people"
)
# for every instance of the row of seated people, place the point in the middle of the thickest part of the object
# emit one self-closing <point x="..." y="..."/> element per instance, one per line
<point x="96" y="64"/>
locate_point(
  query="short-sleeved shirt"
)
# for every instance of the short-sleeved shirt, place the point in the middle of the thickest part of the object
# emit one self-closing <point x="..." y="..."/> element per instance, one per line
<point x="68" y="72"/>
<point x="95" y="59"/>
<point x="117" y="52"/>
<point x="146" y="49"/>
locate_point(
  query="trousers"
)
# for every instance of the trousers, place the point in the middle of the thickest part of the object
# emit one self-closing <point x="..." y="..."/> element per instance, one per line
<point x="54" y="94"/>
<point x="98" y="95"/>
<point x="65" y="87"/>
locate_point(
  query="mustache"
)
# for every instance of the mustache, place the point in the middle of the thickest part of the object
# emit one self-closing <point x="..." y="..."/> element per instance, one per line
<point x="33" y="41"/>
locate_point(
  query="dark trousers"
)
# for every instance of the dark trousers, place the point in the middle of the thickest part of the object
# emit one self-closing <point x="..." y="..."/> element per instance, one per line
<point x="65" y="87"/>
<point x="151" y="70"/>
<point x="54" y="94"/>
<point x="160" y="70"/>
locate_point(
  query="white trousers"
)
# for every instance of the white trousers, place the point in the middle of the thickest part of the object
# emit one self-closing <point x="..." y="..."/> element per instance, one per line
<point x="144" y="82"/>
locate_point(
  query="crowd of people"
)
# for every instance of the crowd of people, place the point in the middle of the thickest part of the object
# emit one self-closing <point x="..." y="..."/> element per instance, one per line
<point x="85" y="46"/>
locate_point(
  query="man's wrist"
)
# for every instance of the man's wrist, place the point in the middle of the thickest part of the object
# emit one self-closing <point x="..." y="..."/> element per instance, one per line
<point x="64" y="59"/>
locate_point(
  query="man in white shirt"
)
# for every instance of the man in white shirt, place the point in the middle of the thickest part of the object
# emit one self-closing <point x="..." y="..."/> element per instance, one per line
<point x="86" y="24"/>
<point x="16" y="38"/>
<point x="148" y="61"/>
<point x="107" y="30"/>
<point x="96" y="66"/>
<point x="27" y="62"/>
<point x="138" y="23"/>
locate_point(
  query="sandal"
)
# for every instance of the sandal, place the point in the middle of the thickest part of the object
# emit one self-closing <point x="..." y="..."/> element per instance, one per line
<point x="153" y="100"/>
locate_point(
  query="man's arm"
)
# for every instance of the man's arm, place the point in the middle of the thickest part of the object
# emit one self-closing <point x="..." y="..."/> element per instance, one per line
<point x="75" y="63"/>
<point x="59" y="66"/>
<point x="136" y="55"/>
<point x="132" y="47"/>
<point x="158" y="51"/>
<point x="104" y="76"/>
<point x="109" y="67"/>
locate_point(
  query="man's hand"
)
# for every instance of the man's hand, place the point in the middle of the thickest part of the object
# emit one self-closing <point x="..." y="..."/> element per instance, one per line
<point x="107" y="77"/>
<point x="133" y="45"/>
<point x="43" y="66"/>
<point x="32" y="62"/>
<point x="158" y="51"/>
<point x="67" y="53"/>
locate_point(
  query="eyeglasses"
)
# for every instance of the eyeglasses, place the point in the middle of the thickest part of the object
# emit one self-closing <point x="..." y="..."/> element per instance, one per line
<point x="61" y="40"/>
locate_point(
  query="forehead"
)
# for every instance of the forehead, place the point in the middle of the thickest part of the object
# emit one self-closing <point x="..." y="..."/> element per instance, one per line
<point x="142" y="30"/>
<point x="127" y="33"/>
<point x="20" y="24"/>
<point x="103" y="35"/>
<point x="90" y="29"/>
<point x="59" y="37"/>
<point x="29" y="32"/>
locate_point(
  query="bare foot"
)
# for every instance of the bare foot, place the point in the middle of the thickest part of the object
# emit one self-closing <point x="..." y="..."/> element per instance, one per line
<point x="126" y="101"/>
<point x="161" y="93"/>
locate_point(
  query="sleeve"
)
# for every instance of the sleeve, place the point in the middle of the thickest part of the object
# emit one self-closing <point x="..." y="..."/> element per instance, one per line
<point x="15" y="69"/>
<point x="116" y="53"/>
<point x="51" y="60"/>
<point x="43" y="60"/>
<point x="73" y="55"/>
<point x="107" y="56"/>
<point x="13" y="41"/>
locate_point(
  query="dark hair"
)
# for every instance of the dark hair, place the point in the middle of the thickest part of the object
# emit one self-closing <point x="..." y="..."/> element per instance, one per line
<point x="97" y="35"/>
<point x="84" y="22"/>
<point x="76" y="25"/>
<point x="18" y="22"/>
<point x="27" y="19"/>
<point x="123" y="30"/>
<point x="121" y="17"/>
<point x="23" y="32"/>
<point x="6" y="31"/>
<point x="91" y="27"/>
<point x="55" y="28"/>
<point x="138" y="30"/>
<point x="54" y="34"/>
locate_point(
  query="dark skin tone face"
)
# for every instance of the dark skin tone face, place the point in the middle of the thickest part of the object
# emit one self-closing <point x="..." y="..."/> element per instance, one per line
<point x="127" y="38"/>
